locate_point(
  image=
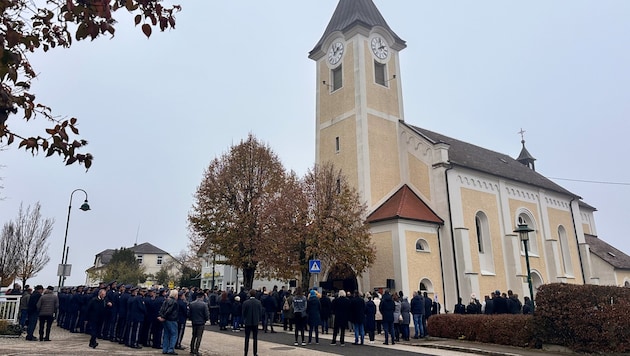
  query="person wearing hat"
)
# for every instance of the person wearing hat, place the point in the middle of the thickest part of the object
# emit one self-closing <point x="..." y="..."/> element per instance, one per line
<point x="47" y="307"/>
<point x="182" y="314"/>
<point x="121" y="320"/>
<point x="199" y="315"/>
<point x="136" y="310"/>
<point x="237" y="311"/>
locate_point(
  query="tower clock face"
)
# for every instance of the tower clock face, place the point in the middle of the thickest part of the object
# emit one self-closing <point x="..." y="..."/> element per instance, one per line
<point x="335" y="53"/>
<point x="379" y="47"/>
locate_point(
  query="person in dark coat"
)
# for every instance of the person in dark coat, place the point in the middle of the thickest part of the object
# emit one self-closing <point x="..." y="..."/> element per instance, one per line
<point x="269" y="304"/>
<point x="528" y="306"/>
<point x="96" y="316"/>
<point x="199" y="314"/>
<point x="326" y="309"/>
<point x="340" y="308"/>
<point x="417" y="312"/>
<point x="370" y="318"/>
<point x="313" y="313"/>
<point x="387" y="308"/>
<point x="428" y="305"/>
<point x="156" y="328"/>
<point x="136" y="311"/>
<point x="225" y="308"/>
<point x="121" y="324"/>
<point x="237" y="312"/>
<point x="182" y="314"/>
<point x="47" y="308"/>
<point x="168" y="317"/>
<point x="33" y="314"/>
<point x="357" y="317"/>
<point x="252" y="313"/>
<point x="500" y="303"/>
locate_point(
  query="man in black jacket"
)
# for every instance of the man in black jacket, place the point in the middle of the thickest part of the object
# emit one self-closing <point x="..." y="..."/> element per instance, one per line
<point x="33" y="314"/>
<point x="198" y="314"/>
<point x="252" y="314"/>
<point x="96" y="315"/>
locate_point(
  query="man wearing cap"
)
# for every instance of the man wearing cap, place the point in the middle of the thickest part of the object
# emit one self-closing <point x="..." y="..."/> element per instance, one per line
<point x="47" y="308"/>
<point x="109" y="323"/>
<point x="136" y="311"/>
<point x="121" y="321"/>
<point x="199" y="315"/>
<point x="500" y="303"/>
<point x="182" y="315"/>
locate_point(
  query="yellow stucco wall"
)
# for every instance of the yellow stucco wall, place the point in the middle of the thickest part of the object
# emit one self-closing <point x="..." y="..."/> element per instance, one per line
<point x="423" y="264"/>
<point x="563" y="218"/>
<point x="419" y="175"/>
<point x="383" y="267"/>
<point x="474" y="201"/>
<point x="381" y="98"/>
<point x="384" y="155"/>
<point x="346" y="158"/>
<point x="341" y="101"/>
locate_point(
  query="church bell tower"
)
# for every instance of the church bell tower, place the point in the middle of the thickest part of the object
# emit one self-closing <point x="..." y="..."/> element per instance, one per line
<point x="359" y="99"/>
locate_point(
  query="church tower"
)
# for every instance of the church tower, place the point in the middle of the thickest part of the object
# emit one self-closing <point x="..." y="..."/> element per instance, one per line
<point x="359" y="99"/>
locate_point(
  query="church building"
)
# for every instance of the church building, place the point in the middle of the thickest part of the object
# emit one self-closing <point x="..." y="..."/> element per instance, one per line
<point x="442" y="212"/>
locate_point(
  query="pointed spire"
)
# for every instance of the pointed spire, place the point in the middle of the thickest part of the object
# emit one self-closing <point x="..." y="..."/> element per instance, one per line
<point x="352" y="13"/>
<point x="525" y="157"/>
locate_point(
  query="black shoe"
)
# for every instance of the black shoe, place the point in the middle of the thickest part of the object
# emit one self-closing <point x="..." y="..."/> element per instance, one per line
<point x="273" y="332"/>
<point x="136" y="347"/>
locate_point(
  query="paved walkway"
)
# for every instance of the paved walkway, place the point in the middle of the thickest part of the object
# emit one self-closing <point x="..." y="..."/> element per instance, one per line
<point x="215" y="343"/>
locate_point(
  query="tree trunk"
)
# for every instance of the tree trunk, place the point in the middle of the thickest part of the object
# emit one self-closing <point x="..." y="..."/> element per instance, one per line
<point x="306" y="278"/>
<point x="248" y="277"/>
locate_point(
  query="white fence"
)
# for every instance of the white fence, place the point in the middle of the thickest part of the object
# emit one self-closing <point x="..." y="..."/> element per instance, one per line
<point x="9" y="308"/>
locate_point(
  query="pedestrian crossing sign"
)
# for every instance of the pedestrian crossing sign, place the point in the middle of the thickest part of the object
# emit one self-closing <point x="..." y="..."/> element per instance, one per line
<point x="314" y="266"/>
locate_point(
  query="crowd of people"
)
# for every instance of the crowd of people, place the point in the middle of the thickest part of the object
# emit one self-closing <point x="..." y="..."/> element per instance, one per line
<point x="495" y="303"/>
<point x="134" y="316"/>
<point x="156" y="317"/>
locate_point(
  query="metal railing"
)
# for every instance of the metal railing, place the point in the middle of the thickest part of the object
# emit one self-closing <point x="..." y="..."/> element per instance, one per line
<point x="9" y="308"/>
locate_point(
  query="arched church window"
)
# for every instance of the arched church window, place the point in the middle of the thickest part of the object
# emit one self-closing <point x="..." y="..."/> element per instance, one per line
<point x="422" y="245"/>
<point x="425" y="286"/>
<point x="532" y="243"/>
<point x="484" y="243"/>
<point x="566" y="253"/>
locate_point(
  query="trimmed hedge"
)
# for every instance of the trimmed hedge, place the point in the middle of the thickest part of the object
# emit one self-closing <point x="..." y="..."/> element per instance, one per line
<point x="584" y="318"/>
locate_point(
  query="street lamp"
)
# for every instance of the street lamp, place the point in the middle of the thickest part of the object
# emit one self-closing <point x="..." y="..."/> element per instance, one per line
<point x="64" y="254"/>
<point x="523" y="232"/>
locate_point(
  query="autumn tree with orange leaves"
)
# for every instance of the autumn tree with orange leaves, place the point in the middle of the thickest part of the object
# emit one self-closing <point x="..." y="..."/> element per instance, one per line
<point x="269" y="223"/>
<point x="234" y="205"/>
<point x="26" y="27"/>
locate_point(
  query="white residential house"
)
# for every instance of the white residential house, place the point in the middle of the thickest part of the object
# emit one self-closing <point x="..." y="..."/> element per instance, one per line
<point x="149" y="256"/>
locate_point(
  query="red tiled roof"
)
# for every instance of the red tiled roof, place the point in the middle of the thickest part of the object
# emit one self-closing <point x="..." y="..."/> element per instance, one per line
<point x="404" y="204"/>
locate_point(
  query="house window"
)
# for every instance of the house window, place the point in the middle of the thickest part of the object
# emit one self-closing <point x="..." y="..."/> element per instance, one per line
<point x="338" y="186"/>
<point x="337" y="144"/>
<point x="479" y="234"/>
<point x="337" y="79"/>
<point x="159" y="259"/>
<point x="139" y="259"/>
<point x="379" y="73"/>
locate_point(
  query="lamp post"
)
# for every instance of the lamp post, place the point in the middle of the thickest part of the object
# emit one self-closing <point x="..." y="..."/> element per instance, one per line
<point x="64" y="254"/>
<point x="523" y="232"/>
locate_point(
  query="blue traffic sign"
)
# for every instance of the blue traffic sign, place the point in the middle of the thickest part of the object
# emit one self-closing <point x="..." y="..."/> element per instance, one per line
<point x="314" y="266"/>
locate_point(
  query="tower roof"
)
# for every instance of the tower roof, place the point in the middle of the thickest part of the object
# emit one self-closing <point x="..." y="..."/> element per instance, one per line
<point x="404" y="204"/>
<point x="351" y="13"/>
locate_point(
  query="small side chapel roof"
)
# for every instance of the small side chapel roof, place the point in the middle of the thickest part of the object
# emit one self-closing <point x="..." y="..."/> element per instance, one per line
<point x="351" y="13"/>
<point x="404" y="204"/>
<point x="608" y="253"/>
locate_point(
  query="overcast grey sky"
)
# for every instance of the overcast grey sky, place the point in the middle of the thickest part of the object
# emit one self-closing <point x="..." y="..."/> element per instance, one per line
<point x="157" y="111"/>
